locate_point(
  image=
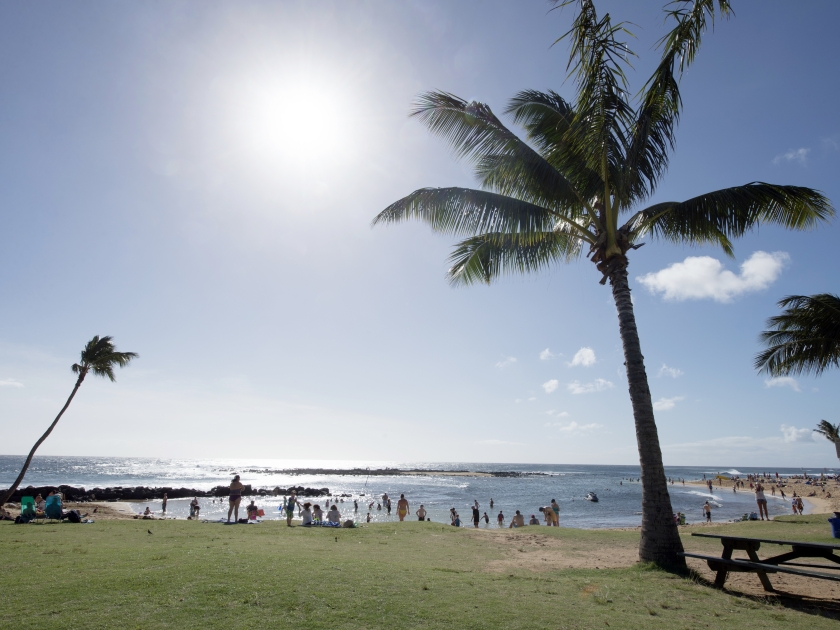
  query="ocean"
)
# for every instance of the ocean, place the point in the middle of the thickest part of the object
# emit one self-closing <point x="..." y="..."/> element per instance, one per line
<point x="616" y="486"/>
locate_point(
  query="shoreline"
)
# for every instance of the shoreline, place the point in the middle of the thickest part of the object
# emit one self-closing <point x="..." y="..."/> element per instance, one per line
<point x="813" y="505"/>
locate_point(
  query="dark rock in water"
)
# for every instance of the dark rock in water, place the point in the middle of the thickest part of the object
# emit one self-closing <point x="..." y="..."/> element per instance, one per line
<point x="142" y="493"/>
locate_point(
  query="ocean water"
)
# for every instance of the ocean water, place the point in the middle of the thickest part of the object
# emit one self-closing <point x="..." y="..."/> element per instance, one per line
<point x="616" y="486"/>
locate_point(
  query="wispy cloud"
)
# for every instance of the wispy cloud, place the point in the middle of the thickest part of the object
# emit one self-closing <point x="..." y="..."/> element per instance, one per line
<point x="669" y="371"/>
<point x="703" y="277"/>
<point x="574" y="427"/>
<point x="556" y="414"/>
<point x="499" y="443"/>
<point x="598" y="385"/>
<point x="794" y="155"/>
<point x="792" y="434"/>
<point x="547" y="354"/>
<point x="585" y="357"/>
<point x="506" y="362"/>
<point x="10" y="382"/>
<point x="782" y="381"/>
<point x="550" y="386"/>
<point x="666" y="404"/>
<point x="831" y="143"/>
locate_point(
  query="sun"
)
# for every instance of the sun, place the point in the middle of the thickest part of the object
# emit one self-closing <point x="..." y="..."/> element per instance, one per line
<point x="293" y="119"/>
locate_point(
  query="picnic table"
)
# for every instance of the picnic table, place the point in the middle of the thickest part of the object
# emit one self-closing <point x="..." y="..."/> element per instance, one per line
<point x="782" y="563"/>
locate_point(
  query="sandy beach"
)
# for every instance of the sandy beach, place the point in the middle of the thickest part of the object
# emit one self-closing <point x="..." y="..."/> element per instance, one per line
<point x="819" y="504"/>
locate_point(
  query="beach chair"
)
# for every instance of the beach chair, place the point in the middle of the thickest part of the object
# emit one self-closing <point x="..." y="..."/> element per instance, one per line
<point x="27" y="507"/>
<point x="53" y="508"/>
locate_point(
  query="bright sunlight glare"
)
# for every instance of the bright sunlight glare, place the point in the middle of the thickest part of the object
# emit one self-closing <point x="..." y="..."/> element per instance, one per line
<point x="293" y="120"/>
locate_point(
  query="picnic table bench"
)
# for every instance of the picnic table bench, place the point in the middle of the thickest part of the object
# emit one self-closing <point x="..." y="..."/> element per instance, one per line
<point x="775" y="564"/>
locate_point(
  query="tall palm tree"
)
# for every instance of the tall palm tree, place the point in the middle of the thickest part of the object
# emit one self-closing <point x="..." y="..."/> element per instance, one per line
<point x="99" y="357"/>
<point x="592" y="162"/>
<point x="804" y="339"/>
<point x="831" y="432"/>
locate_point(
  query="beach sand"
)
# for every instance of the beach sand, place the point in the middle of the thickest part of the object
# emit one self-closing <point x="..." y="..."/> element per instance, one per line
<point x="818" y="504"/>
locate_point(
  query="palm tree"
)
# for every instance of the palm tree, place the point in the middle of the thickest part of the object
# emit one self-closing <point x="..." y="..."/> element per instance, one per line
<point x="593" y="161"/>
<point x="831" y="432"/>
<point x="99" y="357"/>
<point x="805" y="339"/>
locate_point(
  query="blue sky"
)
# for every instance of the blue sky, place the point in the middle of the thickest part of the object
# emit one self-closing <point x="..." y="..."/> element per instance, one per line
<point x="198" y="180"/>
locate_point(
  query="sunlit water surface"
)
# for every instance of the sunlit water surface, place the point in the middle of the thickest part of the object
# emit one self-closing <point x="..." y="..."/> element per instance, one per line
<point x="619" y="505"/>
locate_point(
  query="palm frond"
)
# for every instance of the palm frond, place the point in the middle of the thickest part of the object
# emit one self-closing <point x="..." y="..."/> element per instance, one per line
<point x="717" y="217"/>
<point x="652" y="135"/>
<point x="485" y="257"/>
<point x="805" y="339"/>
<point x="599" y="130"/>
<point x="547" y="117"/>
<point x="475" y="133"/>
<point x="100" y="356"/>
<point x="829" y="431"/>
<point x="468" y="212"/>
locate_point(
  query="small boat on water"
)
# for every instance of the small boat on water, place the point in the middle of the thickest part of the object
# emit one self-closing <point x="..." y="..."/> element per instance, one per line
<point x="591" y="496"/>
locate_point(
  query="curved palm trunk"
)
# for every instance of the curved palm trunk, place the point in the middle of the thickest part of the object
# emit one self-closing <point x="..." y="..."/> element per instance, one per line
<point x="28" y="461"/>
<point x="660" y="541"/>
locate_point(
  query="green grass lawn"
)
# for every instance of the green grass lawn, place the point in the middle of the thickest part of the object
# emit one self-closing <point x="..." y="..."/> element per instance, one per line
<point x="411" y="575"/>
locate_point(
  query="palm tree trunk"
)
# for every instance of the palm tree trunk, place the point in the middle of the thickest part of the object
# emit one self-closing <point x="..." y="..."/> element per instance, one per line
<point x="28" y="461"/>
<point x="660" y="541"/>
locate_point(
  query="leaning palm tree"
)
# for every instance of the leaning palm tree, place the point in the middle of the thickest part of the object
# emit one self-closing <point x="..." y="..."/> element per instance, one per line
<point x="98" y="357"/>
<point x="831" y="432"/>
<point x="804" y="339"/>
<point x="588" y="164"/>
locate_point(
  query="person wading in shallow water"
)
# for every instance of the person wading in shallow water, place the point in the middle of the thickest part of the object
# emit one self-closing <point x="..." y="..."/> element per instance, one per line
<point x="235" y="498"/>
<point x="402" y="507"/>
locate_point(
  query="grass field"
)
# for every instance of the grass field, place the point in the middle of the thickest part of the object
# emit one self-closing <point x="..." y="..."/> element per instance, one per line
<point x="411" y="575"/>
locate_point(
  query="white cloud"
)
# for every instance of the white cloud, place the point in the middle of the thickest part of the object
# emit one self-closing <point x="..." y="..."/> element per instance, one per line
<point x="506" y="362"/>
<point x="499" y="443"/>
<point x="666" y="404"/>
<point x="532" y="398"/>
<point x="10" y="382"/>
<point x="574" y="427"/>
<point x="794" y="155"/>
<point x="782" y="381"/>
<point x="561" y="414"/>
<point x="550" y="386"/>
<point x="547" y="354"/>
<point x="585" y="357"/>
<point x="831" y="142"/>
<point x="669" y="371"/>
<point x="702" y="277"/>
<point x="792" y="434"/>
<point x="598" y="385"/>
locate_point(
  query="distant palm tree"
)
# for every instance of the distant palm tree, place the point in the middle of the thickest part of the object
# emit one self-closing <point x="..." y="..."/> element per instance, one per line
<point x="99" y="357"/>
<point x="831" y="433"/>
<point x="587" y="164"/>
<point x="805" y="339"/>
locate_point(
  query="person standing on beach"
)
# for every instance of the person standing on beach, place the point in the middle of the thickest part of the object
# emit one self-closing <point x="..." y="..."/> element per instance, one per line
<point x="402" y="507"/>
<point x="707" y="510"/>
<point x="355" y="506"/>
<point x="235" y="498"/>
<point x="421" y="513"/>
<point x="761" y="501"/>
<point x="476" y="515"/>
<point x="550" y="517"/>
<point x="290" y="508"/>
<point x="556" y="508"/>
<point x="164" y="502"/>
<point x="500" y="519"/>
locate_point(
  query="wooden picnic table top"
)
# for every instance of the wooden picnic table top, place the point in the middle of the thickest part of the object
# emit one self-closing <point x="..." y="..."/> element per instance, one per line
<point x="770" y="541"/>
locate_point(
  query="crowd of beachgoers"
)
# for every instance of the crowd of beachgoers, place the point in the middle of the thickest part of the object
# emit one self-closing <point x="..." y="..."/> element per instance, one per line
<point x="307" y="513"/>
